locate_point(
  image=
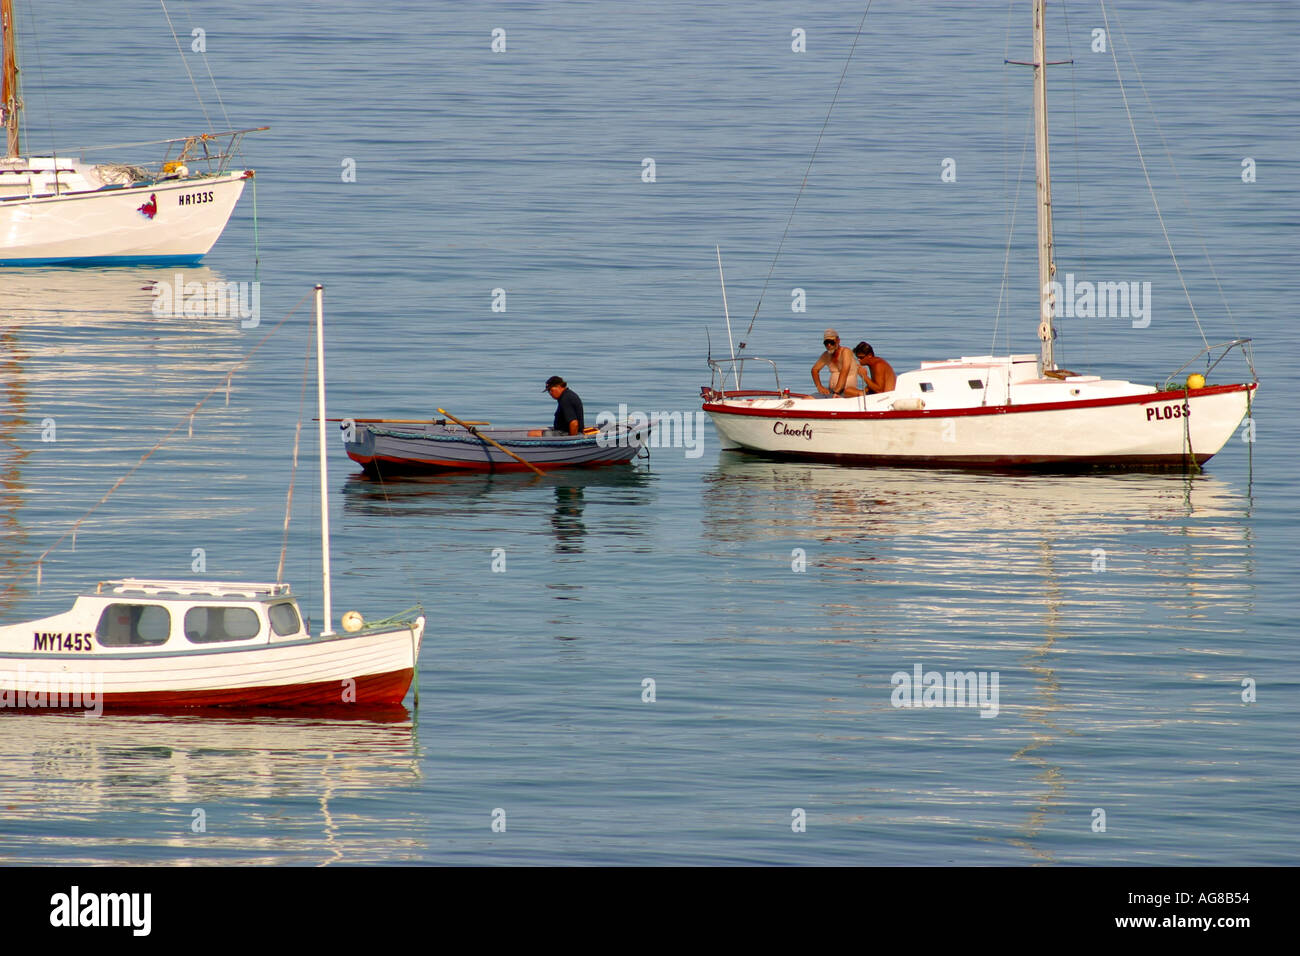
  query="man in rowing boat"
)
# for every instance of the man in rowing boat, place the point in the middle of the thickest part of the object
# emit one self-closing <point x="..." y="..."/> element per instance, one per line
<point x="874" y="371"/>
<point x="568" y="408"/>
<point x="843" y="367"/>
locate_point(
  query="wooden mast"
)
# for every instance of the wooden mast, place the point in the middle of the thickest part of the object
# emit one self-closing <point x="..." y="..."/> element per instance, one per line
<point x="1046" y="265"/>
<point x="10" y="102"/>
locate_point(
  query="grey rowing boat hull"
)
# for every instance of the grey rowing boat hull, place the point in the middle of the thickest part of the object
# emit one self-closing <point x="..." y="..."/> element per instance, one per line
<point x="421" y="449"/>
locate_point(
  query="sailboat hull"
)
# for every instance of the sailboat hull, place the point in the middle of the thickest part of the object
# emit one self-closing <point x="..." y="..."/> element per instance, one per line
<point x="169" y="222"/>
<point x="1157" y="429"/>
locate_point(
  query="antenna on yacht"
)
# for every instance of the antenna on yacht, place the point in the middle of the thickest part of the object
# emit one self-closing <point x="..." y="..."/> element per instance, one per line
<point x="327" y="628"/>
<point x="735" y="369"/>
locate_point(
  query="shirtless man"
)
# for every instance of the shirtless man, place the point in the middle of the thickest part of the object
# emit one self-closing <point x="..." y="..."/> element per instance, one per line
<point x="873" y="370"/>
<point x="843" y="367"/>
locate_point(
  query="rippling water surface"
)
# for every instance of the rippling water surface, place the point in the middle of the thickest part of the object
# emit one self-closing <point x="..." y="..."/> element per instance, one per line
<point x="771" y="604"/>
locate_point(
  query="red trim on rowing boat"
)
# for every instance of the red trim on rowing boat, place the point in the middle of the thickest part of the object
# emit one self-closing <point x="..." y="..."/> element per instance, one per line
<point x="434" y="464"/>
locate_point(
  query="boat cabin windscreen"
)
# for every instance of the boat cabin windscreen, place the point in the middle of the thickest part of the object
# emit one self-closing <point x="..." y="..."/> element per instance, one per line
<point x="133" y="625"/>
<point x="284" y="619"/>
<point x="206" y="624"/>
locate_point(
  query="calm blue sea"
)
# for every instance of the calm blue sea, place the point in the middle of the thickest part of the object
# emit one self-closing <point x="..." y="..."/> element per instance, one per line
<point x="764" y="607"/>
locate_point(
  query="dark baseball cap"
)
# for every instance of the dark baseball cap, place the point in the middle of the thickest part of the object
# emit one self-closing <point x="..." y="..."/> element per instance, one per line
<point x="553" y="381"/>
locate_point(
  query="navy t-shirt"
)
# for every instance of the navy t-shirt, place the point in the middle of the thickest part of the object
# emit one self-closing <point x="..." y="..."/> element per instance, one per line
<point x="567" y="409"/>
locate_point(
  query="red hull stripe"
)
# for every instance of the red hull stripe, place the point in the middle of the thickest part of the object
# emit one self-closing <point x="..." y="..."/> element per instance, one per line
<point x="433" y="464"/>
<point x="1060" y="463"/>
<point x="373" y="690"/>
<point x="1178" y="396"/>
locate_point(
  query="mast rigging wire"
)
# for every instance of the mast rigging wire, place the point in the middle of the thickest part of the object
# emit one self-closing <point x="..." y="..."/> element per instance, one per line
<point x="204" y="53"/>
<point x="1236" y="332"/>
<point x="806" y="171"/>
<point x="293" y="469"/>
<point x="1147" y="175"/>
<point x="185" y="63"/>
<point x="222" y="385"/>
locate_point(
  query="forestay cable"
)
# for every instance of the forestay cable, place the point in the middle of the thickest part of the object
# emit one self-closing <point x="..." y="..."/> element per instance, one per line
<point x="223" y="385"/>
<point x="1150" y="188"/>
<point x="806" y="171"/>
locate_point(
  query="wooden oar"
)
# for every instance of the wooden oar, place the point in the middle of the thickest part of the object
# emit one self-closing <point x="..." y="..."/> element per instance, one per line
<point x="401" y="421"/>
<point x="475" y="432"/>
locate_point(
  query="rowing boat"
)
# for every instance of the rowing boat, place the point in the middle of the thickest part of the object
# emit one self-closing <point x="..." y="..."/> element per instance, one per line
<point x="391" y="449"/>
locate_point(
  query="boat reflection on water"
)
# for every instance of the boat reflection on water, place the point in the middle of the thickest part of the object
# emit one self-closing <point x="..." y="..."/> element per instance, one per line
<point x="566" y="520"/>
<point x="950" y="525"/>
<point x="1059" y="582"/>
<point x="53" y="297"/>
<point x="231" y="789"/>
<point x="14" y="421"/>
<point x="513" y="497"/>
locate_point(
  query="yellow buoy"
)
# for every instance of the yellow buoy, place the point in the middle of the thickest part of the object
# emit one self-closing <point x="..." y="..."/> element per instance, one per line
<point x="352" y="621"/>
<point x="1196" y="380"/>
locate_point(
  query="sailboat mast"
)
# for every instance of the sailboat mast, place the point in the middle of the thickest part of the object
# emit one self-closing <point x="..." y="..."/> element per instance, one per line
<point x="328" y="627"/>
<point x="10" y="103"/>
<point x="1046" y="265"/>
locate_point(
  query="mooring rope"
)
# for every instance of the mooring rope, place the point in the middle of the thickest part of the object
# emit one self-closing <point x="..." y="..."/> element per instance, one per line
<point x="257" y="252"/>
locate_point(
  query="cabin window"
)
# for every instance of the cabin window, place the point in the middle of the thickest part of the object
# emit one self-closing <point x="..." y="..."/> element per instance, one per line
<point x="974" y="383"/>
<point x="284" y="619"/>
<point x="927" y="386"/>
<point x="133" y="625"/>
<point x="210" y="625"/>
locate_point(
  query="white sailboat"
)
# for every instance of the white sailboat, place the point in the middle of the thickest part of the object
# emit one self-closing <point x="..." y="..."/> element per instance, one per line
<point x="61" y="210"/>
<point x="994" y="411"/>
<point x="151" y="644"/>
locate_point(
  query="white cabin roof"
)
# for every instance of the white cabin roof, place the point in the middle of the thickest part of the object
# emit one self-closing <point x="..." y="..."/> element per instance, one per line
<point x="981" y="360"/>
<point x="162" y="587"/>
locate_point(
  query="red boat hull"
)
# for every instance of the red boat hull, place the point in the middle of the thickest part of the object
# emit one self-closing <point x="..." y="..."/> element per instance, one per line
<point x="374" y="690"/>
